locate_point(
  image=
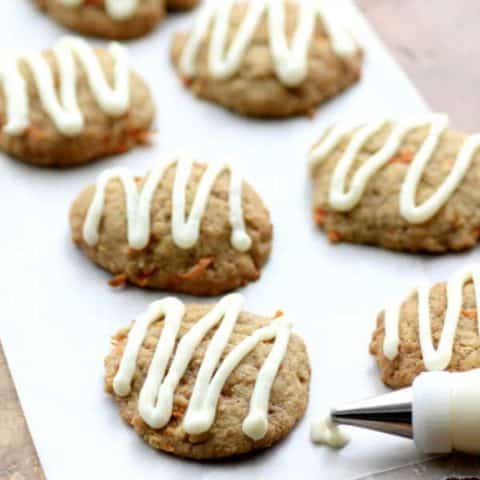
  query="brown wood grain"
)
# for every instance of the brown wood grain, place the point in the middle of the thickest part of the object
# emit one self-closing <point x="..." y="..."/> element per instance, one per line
<point x="18" y="458"/>
<point x="436" y="42"/>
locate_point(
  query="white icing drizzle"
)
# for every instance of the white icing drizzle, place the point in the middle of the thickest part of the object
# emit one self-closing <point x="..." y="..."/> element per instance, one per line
<point x="325" y="432"/>
<point x="434" y="359"/>
<point x="291" y="62"/>
<point x="185" y="233"/>
<point x="116" y="9"/>
<point x="65" y="113"/>
<point x="345" y="200"/>
<point x="157" y="393"/>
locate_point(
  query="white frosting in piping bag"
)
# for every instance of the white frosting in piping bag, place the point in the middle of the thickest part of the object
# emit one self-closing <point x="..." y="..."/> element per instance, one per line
<point x="185" y="232"/>
<point x="345" y="200"/>
<point x="116" y="9"/>
<point x="434" y="359"/>
<point x="65" y="113"/>
<point x="291" y="62"/>
<point x="446" y="413"/>
<point x="157" y="393"/>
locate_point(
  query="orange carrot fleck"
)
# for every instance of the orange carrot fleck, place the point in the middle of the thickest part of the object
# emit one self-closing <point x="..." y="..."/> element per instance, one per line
<point x="333" y="236"/>
<point x="470" y="313"/>
<point x="449" y="163"/>
<point x="178" y="412"/>
<point x="143" y="278"/>
<point x="198" y="269"/>
<point x="119" y="280"/>
<point x="405" y="156"/>
<point x="278" y="314"/>
<point x="319" y="216"/>
<point x="36" y="132"/>
<point x="143" y="137"/>
<point x="122" y="148"/>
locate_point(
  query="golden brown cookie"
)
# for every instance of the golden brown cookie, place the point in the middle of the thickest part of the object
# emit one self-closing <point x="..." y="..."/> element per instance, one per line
<point x="192" y="228"/>
<point x="110" y="18"/>
<point x="200" y="401"/>
<point x="181" y="4"/>
<point x="432" y="329"/>
<point x="404" y="185"/>
<point x="257" y="74"/>
<point x="72" y="104"/>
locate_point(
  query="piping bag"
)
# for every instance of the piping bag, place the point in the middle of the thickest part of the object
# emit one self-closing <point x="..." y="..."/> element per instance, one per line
<point x="440" y="412"/>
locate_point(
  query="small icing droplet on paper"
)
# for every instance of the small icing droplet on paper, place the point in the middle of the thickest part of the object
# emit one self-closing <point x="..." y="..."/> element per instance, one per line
<point x="324" y="432"/>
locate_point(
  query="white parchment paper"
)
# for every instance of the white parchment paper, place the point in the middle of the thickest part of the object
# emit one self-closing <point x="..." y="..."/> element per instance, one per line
<point x="58" y="312"/>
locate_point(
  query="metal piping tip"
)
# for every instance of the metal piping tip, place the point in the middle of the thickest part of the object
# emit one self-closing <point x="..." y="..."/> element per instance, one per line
<point x="390" y="413"/>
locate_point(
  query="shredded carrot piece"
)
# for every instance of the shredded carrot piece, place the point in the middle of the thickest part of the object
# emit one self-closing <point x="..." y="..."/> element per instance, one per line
<point x="198" y="269"/>
<point x="470" y="313"/>
<point x="144" y="278"/>
<point x="121" y="148"/>
<point x="178" y="412"/>
<point x="36" y="132"/>
<point x="405" y="156"/>
<point x="319" y="216"/>
<point x="278" y="313"/>
<point x="142" y="137"/>
<point x="118" y="280"/>
<point x="106" y="139"/>
<point x="449" y="163"/>
<point x="333" y="236"/>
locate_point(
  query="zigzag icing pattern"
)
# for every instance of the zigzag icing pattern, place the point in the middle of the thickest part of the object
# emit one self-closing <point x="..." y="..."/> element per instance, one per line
<point x="185" y="232"/>
<point x="157" y="393"/>
<point x="344" y="200"/>
<point x="291" y="62"/>
<point x="434" y="359"/>
<point x="65" y="113"/>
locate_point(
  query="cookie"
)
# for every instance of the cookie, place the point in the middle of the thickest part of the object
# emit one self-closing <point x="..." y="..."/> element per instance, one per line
<point x="185" y="227"/>
<point x="181" y="4"/>
<point x="433" y="328"/>
<point x="237" y="55"/>
<point x="71" y="104"/>
<point x="404" y="185"/>
<point x="208" y="381"/>
<point x="112" y="19"/>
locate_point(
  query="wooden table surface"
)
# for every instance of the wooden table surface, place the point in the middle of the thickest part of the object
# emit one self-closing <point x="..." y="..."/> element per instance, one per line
<point x="436" y="42"/>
